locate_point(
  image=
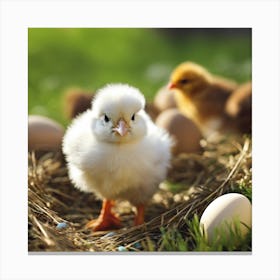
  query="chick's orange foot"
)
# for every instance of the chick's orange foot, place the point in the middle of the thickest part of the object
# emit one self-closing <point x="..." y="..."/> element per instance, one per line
<point x="106" y="220"/>
<point x="139" y="217"/>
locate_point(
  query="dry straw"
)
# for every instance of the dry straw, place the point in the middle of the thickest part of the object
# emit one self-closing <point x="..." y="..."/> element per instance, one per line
<point x="194" y="181"/>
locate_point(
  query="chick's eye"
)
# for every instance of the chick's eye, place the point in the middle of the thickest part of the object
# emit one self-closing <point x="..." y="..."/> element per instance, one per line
<point x="133" y="117"/>
<point x="184" y="81"/>
<point x="106" y="119"/>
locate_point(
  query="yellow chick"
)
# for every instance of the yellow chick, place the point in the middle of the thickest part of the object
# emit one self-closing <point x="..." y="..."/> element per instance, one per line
<point x="201" y="96"/>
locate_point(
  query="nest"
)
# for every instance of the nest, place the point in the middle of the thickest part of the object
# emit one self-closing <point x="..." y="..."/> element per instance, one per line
<point x="193" y="182"/>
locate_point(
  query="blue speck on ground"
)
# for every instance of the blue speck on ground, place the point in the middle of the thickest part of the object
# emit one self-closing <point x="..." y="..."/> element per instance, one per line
<point x="109" y="234"/>
<point x="122" y="249"/>
<point x="61" y="225"/>
<point x="137" y="245"/>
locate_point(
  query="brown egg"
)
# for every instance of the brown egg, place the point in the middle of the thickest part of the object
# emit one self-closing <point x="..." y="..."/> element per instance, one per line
<point x="44" y="134"/>
<point x="164" y="99"/>
<point x="186" y="134"/>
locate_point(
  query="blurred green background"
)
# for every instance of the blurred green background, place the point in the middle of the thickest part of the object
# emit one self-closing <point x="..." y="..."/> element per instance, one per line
<point x="89" y="58"/>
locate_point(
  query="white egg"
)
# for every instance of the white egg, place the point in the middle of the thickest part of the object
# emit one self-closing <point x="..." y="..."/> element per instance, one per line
<point x="224" y="212"/>
<point x="44" y="133"/>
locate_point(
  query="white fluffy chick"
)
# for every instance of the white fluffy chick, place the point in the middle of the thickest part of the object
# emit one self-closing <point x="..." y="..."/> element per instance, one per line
<point x="115" y="151"/>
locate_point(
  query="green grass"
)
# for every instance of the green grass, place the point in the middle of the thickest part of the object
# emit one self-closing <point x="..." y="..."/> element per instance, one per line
<point x="89" y="58"/>
<point x="194" y="240"/>
<point x="243" y="188"/>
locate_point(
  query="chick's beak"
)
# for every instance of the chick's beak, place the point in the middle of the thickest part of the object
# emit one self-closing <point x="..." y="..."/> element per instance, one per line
<point x="171" y="85"/>
<point x="121" y="128"/>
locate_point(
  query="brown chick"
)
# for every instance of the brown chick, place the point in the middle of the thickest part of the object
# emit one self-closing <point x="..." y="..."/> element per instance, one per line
<point x="151" y="110"/>
<point x="201" y="96"/>
<point x="239" y="107"/>
<point x="77" y="101"/>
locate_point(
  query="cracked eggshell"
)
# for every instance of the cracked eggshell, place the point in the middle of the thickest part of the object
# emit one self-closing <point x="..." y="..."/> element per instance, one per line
<point x="186" y="134"/>
<point x="224" y="211"/>
<point x="44" y="134"/>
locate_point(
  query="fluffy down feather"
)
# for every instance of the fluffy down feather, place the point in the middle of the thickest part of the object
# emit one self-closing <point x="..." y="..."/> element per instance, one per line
<point x="128" y="167"/>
